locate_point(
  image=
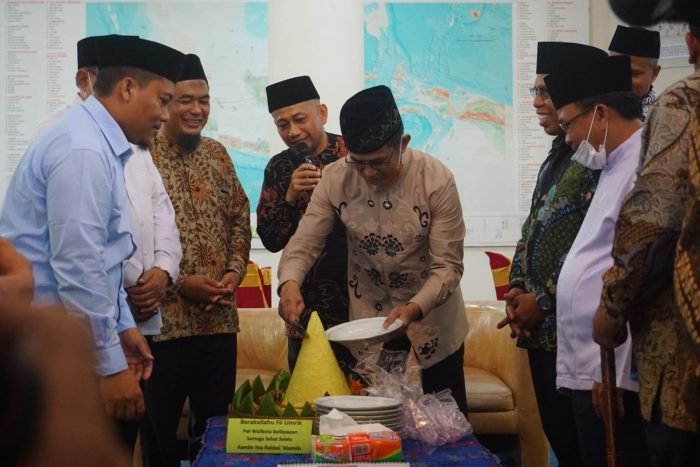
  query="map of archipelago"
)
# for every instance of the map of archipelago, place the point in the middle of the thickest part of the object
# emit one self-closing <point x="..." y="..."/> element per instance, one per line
<point x="231" y="39"/>
<point x="450" y="66"/>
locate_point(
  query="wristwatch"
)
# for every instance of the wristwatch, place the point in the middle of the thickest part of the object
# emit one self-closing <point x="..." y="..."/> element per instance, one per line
<point x="544" y="302"/>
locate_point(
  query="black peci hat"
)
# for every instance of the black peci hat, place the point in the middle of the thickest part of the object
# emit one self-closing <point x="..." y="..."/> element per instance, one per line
<point x="369" y="119"/>
<point x="140" y="53"/>
<point x="289" y="92"/>
<point x="610" y="74"/>
<point x="638" y="42"/>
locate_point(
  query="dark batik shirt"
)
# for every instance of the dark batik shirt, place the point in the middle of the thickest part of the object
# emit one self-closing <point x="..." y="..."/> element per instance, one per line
<point x="563" y="192"/>
<point x="656" y="220"/>
<point x="325" y="287"/>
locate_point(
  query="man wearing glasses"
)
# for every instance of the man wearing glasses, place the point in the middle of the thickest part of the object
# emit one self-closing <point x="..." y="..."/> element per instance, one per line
<point x="405" y="232"/>
<point x="560" y="200"/>
<point x="602" y="120"/>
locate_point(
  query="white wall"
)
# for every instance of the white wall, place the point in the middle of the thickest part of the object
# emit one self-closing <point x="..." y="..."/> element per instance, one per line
<point x="304" y="41"/>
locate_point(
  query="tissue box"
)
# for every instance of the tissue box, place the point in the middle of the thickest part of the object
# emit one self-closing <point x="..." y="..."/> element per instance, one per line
<point x="384" y="446"/>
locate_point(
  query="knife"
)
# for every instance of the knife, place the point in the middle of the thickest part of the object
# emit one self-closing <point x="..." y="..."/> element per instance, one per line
<point x="298" y="328"/>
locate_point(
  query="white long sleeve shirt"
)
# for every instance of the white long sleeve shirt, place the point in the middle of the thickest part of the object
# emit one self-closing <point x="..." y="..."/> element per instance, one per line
<point x="581" y="278"/>
<point x="153" y="227"/>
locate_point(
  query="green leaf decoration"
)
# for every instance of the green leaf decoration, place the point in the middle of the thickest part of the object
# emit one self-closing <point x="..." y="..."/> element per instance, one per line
<point x="290" y="411"/>
<point x="284" y="378"/>
<point x="246" y="406"/>
<point x="307" y="411"/>
<point x="258" y="388"/>
<point x="268" y="408"/>
<point x="274" y="383"/>
<point x="240" y="393"/>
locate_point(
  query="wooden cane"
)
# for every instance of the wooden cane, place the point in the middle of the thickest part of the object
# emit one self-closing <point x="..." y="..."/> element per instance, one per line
<point x="610" y="410"/>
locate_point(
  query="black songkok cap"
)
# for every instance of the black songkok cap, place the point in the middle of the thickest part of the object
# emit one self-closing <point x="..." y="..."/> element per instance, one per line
<point x="644" y="12"/>
<point x="289" y="92"/>
<point x="369" y="119"/>
<point x="553" y="56"/>
<point x="610" y="74"/>
<point x="135" y="52"/>
<point x="192" y="69"/>
<point x="638" y="42"/>
<point x="87" y="51"/>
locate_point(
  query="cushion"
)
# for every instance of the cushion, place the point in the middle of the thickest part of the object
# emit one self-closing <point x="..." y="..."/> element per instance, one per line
<point x="486" y="392"/>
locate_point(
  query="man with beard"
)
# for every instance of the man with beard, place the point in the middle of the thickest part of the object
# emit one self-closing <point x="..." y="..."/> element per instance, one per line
<point x="196" y="349"/>
<point x="561" y="198"/>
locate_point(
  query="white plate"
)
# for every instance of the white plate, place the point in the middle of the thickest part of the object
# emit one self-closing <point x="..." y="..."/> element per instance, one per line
<point x="358" y="402"/>
<point x="363" y="331"/>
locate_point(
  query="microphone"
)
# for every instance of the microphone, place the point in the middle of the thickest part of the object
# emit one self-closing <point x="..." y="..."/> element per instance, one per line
<point x="301" y="154"/>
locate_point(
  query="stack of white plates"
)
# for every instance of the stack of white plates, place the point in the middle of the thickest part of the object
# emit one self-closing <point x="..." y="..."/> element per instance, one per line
<point x="364" y="409"/>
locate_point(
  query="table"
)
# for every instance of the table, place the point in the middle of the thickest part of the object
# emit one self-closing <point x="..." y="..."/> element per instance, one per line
<point x="467" y="452"/>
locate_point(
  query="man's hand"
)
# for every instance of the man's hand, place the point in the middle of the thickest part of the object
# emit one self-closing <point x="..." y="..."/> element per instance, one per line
<point x="608" y="332"/>
<point x="201" y="289"/>
<point x="599" y="400"/>
<point x="138" y="354"/>
<point x="527" y="315"/>
<point x="231" y="280"/>
<point x="122" y="396"/>
<point x="304" y="179"/>
<point x="148" y="292"/>
<point x="291" y="302"/>
<point x="16" y="277"/>
<point x="509" y="297"/>
<point x="406" y="313"/>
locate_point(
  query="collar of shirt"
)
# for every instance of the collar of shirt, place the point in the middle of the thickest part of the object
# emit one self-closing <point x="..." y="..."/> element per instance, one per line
<point x="108" y="125"/>
<point x="623" y="151"/>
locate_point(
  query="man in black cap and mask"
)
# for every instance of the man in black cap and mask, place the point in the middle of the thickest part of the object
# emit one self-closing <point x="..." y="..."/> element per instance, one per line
<point x="290" y="178"/>
<point x="601" y="117"/>
<point x="643" y="47"/>
<point x="85" y="78"/>
<point x="196" y="349"/>
<point x="405" y="233"/>
<point x="561" y="198"/>
<point x="67" y="211"/>
<point x="656" y="253"/>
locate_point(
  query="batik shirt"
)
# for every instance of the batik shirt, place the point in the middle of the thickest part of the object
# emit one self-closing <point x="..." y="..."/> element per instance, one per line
<point x="561" y="198"/>
<point x="638" y="287"/>
<point x="405" y="244"/>
<point x="647" y="102"/>
<point x="686" y="278"/>
<point x="213" y="215"/>
<point x="325" y="286"/>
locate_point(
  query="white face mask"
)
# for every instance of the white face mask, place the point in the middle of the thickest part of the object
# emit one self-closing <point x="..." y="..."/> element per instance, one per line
<point x="586" y="154"/>
<point x="82" y="94"/>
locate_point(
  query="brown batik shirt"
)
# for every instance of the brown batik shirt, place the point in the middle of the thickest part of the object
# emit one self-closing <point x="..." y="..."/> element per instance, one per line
<point x="213" y="215"/>
<point x="638" y="287"/>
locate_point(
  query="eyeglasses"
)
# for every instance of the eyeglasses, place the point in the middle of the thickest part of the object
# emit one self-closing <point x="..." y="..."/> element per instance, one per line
<point x="565" y="126"/>
<point x="541" y="91"/>
<point x="377" y="164"/>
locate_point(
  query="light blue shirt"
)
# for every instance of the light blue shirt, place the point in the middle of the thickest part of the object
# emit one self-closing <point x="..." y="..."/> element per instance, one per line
<point x="66" y="210"/>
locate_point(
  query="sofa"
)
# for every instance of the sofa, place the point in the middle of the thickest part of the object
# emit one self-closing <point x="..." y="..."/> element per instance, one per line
<point x="497" y="375"/>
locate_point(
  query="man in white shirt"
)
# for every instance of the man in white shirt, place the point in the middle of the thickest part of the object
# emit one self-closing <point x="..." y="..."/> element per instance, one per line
<point x="155" y="263"/>
<point x="602" y="121"/>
